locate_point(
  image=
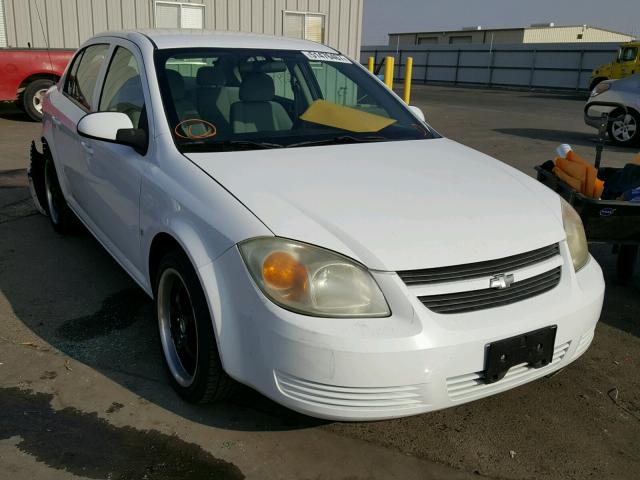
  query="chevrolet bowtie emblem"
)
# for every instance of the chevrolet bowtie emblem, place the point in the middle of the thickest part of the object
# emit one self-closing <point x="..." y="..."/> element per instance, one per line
<point x="501" y="281"/>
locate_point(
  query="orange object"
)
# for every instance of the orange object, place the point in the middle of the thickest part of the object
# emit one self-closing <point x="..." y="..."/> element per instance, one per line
<point x="598" y="188"/>
<point x="574" y="169"/>
<point x="573" y="182"/>
<point x="578" y="173"/>
<point x="636" y="160"/>
<point x="574" y="157"/>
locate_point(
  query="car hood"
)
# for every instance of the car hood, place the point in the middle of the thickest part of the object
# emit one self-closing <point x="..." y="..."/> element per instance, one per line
<point x="393" y="205"/>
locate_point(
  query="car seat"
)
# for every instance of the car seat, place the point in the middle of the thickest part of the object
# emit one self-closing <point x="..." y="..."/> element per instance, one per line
<point x="256" y="111"/>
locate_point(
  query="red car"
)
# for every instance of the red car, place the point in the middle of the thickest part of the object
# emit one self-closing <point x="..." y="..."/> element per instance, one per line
<point x="26" y="74"/>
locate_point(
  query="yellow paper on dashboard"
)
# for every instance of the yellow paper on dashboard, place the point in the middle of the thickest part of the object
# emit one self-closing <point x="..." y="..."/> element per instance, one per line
<point x="345" y="118"/>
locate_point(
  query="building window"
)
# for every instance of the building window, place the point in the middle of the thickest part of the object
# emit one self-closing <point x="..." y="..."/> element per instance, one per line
<point x="309" y="26"/>
<point x="179" y="15"/>
<point x="427" y="40"/>
<point x="458" y="39"/>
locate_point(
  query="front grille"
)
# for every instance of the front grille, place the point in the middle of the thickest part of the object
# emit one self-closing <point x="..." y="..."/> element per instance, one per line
<point x="468" y="301"/>
<point x="478" y="269"/>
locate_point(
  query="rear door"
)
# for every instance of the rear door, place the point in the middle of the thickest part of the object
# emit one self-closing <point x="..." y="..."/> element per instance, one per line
<point x="77" y="99"/>
<point x="113" y="171"/>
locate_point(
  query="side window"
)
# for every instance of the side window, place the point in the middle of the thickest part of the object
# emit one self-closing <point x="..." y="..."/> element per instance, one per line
<point x="122" y="90"/>
<point x="83" y="75"/>
<point x="629" y="54"/>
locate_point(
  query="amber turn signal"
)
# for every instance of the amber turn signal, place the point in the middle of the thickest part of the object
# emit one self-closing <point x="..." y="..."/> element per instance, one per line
<point x="282" y="271"/>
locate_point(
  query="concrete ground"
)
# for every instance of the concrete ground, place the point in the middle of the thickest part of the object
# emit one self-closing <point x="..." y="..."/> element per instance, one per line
<point x="83" y="393"/>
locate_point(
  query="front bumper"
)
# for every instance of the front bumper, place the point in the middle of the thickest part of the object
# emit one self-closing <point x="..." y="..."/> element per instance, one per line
<point x="412" y="362"/>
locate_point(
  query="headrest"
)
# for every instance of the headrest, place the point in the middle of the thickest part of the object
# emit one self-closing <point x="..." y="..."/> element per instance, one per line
<point x="176" y="84"/>
<point x="257" y="87"/>
<point x="210" y="76"/>
<point x="264" y="66"/>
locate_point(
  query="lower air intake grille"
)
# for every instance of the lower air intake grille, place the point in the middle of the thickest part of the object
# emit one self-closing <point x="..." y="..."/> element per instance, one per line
<point x="459" y="302"/>
<point x="333" y="396"/>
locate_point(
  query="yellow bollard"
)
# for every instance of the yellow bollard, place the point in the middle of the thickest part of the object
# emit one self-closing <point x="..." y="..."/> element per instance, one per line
<point x="388" y="72"/>
<point x="371" y="64"/>
<point x="407" y="80"/>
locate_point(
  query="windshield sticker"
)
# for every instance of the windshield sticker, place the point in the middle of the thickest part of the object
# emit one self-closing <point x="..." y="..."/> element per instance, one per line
<point x="326" y="57"/>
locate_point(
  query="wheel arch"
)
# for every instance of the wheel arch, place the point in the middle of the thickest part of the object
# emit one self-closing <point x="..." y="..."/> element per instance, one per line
<point x="37" y="76"/>
<point x="596" y="81"/>
<point x="179" y="237"/>
<point x="165" y="241"/>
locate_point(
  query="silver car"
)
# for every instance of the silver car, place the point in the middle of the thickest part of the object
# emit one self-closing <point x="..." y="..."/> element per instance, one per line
<point x="625" y="129"/>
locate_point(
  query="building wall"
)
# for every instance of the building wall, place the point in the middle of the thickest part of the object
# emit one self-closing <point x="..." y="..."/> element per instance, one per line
<point x="459" y="36"/>
<point x="572" y="34"/>
<point x="515" y="35"/>
<point x="68" y="23"/>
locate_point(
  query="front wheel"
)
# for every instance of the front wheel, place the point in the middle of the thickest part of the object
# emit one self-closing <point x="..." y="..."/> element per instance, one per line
<point x="626" y="131"/>
<point x="33" y="96"/>
<point x="186" y="333"/>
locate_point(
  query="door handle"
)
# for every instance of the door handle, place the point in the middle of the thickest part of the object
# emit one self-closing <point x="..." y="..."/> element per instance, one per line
<point x="87" y="148"/>
<point x="56" y="122"/>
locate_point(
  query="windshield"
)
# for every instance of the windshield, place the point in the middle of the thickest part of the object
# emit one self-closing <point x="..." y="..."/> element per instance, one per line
<point x="229" y="99"/>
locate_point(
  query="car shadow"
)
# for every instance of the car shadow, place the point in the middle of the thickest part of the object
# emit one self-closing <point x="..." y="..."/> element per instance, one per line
<point x="75" y="297"/>
<point x="561" y="136"/>
<point x="582" y="96"/>
<point x="10" y="111"/>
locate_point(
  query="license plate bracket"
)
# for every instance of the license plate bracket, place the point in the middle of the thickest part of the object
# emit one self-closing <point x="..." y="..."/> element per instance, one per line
<point x="533" y="348"/>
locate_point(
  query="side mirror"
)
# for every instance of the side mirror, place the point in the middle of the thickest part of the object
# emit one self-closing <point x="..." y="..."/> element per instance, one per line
<point x="114" y="127"/>
<point x="417" y="112"/>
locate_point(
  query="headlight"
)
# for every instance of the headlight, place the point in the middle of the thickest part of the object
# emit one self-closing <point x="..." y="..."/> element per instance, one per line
<point x="311" y="280"/>
<point x="576" y="238"/>
<point x="600" y="88"/>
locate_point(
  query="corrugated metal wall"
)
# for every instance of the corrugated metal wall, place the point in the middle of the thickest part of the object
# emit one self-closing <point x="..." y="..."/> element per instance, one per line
<point x="3" y="31"/>
<point x="565" y="66"/>
<point x="68" y="23"/>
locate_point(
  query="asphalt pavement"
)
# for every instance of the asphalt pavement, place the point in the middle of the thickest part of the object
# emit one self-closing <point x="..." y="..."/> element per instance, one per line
<point x="83" y="393"/>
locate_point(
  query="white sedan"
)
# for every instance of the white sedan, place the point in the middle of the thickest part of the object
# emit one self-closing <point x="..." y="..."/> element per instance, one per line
<point x="304" y="232"/>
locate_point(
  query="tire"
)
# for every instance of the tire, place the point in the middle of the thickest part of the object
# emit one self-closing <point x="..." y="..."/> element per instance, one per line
<point x="32" y="97"/>
<point x="62" y="219"/>
<point x="186" y="333"/>
<point x="626" y="132"/>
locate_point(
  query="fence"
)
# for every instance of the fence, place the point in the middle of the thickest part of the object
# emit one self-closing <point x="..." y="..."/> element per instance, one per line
<point x="564" y="66"/>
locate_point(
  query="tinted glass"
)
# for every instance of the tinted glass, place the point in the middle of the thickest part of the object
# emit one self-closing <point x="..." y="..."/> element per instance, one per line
<point x="122" y="90"/>
<point x="83" y="75"/>
<point x="629" y="54"/>
<point x="217" y="98"/>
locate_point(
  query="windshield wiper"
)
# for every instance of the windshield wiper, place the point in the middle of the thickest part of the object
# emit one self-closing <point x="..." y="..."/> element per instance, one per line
<point x="340" y="140"/>
<point x="231" y="145"/>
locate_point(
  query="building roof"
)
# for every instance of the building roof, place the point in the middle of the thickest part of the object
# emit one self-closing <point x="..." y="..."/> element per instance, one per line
<point x="184" y="38"/>
<point x="532" y="27"/>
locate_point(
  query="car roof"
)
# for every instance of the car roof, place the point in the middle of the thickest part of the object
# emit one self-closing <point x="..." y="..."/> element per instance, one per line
<point x="184" y="38"/>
